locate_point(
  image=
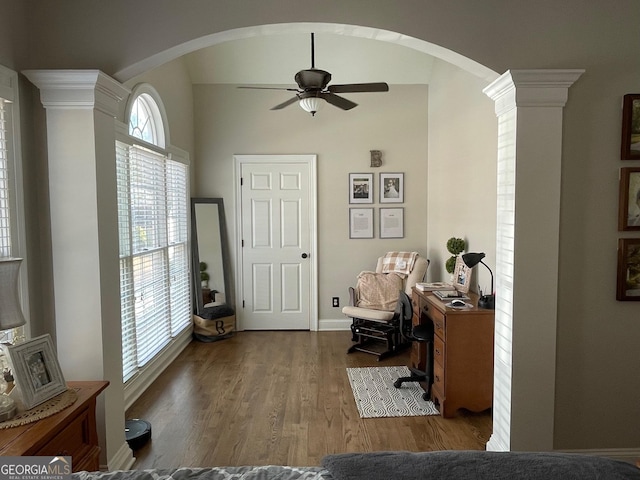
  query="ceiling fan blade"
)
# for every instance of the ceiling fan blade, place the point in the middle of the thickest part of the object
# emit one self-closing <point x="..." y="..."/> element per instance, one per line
<point x="359" y="87"/>
<point x="270" y="88"/>
<point x="339" y="102"/>
<point x="285" y="104"/>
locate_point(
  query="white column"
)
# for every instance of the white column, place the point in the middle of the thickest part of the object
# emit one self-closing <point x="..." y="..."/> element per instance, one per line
<point x="529" y="107"/>
<point x="80" y="110"/>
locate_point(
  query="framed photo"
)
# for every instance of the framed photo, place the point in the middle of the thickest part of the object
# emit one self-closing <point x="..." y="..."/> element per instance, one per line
<point x="361" y="188"/>
<point x="629" y="204"/>
<point x="630" y="127"/>
<point x="392" y="222"/>
<point x="628" y="285"/>
<point x="36" y="370"/>
<point x="361" y="223"/>
<point x="391" y="187"/>
<point x="461" y="276"/>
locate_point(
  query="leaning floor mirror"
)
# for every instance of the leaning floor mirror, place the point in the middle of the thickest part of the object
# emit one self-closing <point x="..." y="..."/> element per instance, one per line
<point x="210" y="254"/>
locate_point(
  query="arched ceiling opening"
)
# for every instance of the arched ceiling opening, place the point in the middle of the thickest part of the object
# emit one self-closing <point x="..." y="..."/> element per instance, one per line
<point x="340" y="49"/>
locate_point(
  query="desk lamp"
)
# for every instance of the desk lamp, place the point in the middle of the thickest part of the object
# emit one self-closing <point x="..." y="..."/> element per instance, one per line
<point x="471" y="260"/>
<point x="10" y="317"/>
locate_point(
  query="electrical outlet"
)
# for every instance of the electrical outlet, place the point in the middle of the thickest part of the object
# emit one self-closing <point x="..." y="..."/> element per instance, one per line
<point x="336" y="301"/>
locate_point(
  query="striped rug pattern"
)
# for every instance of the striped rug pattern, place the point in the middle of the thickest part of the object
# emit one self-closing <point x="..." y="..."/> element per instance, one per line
<point x="376" y="396"/>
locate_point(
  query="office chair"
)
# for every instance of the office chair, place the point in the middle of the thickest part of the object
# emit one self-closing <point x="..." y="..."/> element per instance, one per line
<point x="371" y="327"/>
<point x="416" y="333"/>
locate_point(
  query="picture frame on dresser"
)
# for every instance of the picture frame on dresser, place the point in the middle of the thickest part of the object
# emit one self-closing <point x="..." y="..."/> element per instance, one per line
<point x="630" y="148"/>
<point x="629" y="201"/>
<point x="36" y="370"/>
<point x="361" y="188"/>
<point x="628" y="281"/>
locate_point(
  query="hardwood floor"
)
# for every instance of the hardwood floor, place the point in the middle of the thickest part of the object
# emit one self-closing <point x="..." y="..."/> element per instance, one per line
<point x="279" y="398"/>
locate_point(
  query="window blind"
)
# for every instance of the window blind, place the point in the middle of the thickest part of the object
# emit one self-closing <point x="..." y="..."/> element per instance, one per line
<point x="5" y="205"/>
<point x="154" y="266"/>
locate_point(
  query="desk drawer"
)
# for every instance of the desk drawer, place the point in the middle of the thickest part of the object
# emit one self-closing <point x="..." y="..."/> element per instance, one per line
<point x="438" y="377"/>
<point x="438" y="319"/>
<point x="438" y="350"/>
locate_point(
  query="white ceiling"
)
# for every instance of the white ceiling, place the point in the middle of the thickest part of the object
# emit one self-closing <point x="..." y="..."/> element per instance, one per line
<point x="275" y="59"/>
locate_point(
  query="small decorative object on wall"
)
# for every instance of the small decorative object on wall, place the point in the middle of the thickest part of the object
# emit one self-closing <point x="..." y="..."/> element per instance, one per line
<point x="455" y="246"/>
<point x="392" y="222"/>
<point x="629" y="204"/>
<point x="461" y="276"/>
<point x="376" y="158"/>
<point x="628" y="287"/>
<point x="361" y="223"/>
<point x="36" y="371"/>
<point x="361" y="188"/>
<point x="631" y="127"/>
<point x="391" y="187"/>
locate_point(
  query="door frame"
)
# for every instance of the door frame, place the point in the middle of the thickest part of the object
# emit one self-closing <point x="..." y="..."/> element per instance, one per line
<point x="310" y="160"/>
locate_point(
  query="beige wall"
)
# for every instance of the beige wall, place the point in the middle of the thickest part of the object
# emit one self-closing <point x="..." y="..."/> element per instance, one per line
<point x="232" y="121"/>
<point x="462" y="169"/>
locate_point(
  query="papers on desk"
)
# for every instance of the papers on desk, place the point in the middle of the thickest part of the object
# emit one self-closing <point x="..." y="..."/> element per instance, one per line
<point x="446" y="295"/>
<point x="430" y="287"/>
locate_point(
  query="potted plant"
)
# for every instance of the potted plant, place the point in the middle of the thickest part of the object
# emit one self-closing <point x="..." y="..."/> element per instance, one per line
<point x="455" y="246"/>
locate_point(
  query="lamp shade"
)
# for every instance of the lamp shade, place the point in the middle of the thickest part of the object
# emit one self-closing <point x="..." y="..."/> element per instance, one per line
<point x="311" y="104"/>
<point x="10" y="310"/>
<point x="472" y="259"/>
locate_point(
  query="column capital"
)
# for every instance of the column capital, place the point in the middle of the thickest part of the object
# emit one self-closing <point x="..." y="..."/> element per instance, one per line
<point x="531" y="88"/>
<point x="78" y="89"/>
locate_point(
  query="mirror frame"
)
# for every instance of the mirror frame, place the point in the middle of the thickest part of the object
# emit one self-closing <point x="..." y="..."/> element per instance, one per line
<point x="197" y="284"/>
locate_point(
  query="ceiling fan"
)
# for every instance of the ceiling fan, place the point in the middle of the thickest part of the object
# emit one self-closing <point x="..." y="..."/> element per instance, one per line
<point x="314" y="88"/>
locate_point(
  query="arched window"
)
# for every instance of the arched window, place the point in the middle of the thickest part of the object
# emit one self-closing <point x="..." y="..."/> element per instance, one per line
<point x="146" y="116"/>
<point x="153" y="208"/>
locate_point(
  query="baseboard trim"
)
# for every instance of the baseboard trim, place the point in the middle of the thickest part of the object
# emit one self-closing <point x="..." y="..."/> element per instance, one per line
<point x="122" y="460"/>
<point x="329" y="325"/>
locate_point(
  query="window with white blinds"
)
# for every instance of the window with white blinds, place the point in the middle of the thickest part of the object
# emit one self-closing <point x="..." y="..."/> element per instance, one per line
<point x="154" y="264"/>
<point x="5" y="204"/>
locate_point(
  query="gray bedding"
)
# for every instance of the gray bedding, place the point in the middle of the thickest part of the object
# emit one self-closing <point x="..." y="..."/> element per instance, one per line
<point x="448" y="465"/>
<point x="476" y="465"/>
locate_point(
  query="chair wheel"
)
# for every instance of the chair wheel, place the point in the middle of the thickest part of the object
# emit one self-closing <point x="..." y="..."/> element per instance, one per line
<point x="426" y="397"/>
<point x="397" y="384"/>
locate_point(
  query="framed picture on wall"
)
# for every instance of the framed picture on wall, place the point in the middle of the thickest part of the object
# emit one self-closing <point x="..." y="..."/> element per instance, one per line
<point x="361" y="223"/>
<point x="391" y="187"/>
<point x="628" y="284"/>
<point x="392" y="222"/>
<point x="630" y="127"/>
<point x="361" y="188"/>
<point x="629" y="202"/>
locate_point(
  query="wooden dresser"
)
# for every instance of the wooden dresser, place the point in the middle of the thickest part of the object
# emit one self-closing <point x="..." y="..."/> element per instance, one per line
<point x="463" y="353"/>
<point x="71" y="432"/>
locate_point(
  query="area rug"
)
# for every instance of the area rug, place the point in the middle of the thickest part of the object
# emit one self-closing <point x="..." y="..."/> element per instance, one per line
<point x="376" y="396"/>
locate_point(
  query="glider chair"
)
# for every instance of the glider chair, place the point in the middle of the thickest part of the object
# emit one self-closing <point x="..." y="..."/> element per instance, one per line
<point x="374" y="305"/>
<point x="416" y="333"/>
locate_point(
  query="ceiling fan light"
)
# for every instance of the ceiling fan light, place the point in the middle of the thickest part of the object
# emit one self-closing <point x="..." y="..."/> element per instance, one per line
<point x="311" y="104"/>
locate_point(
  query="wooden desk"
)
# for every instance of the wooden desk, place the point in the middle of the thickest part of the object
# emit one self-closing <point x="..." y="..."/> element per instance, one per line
<point x="463" y="353"/>
<point x="71" y="432"/>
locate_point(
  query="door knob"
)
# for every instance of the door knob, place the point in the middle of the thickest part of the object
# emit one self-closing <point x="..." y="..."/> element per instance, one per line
<point x="304" y="255"/>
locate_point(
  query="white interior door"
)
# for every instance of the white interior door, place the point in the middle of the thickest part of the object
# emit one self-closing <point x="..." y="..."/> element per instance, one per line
<point x="277" y="244"/>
